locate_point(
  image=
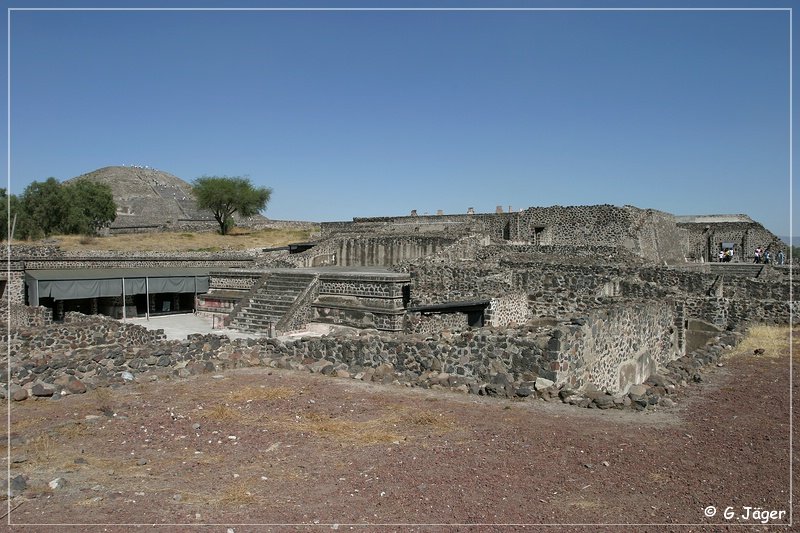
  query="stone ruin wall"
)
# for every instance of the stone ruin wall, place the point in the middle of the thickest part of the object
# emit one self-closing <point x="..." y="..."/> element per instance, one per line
<point x="385" y="251"/>
<point x="651" y="234"/>
<point x="508" y="310"/>
<point x="23" y="316"/>
<point x="563" y="291"/>
<point x="92" y="347"/>
<point x="77" y="332"/>
<point x="360" y="300"/>
<point x="746" y="235"/>
<point x="430" y="323"/>
<point x="619" y="346"/>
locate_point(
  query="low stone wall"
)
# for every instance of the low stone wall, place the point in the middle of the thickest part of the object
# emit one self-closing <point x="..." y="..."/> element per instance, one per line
<point x="736" y="313"/>
<point x="609" y="350"/>
<point x="82" y="331"/>
<point x="430" y="323"/>
<point x="23" y="316"/>
<point x="242" y="280"/>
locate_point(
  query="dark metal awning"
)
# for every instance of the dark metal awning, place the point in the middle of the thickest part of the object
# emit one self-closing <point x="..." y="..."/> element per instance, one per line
<point x="451" y="307"/>
<point x="72" y="283"/>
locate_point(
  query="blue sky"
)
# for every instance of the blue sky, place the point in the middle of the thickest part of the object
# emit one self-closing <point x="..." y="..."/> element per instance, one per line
<point x="364" y="113"/>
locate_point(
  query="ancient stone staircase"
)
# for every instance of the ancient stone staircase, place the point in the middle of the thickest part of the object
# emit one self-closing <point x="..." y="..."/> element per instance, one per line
<point x="744" y="270"/>
<point x="270" y="302"/>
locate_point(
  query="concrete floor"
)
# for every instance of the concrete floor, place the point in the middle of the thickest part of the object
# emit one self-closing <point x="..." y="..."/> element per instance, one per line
<point x="178" y="327"/>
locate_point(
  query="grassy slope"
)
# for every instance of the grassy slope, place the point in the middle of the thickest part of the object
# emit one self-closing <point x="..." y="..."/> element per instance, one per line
<point x="184" y="242"/>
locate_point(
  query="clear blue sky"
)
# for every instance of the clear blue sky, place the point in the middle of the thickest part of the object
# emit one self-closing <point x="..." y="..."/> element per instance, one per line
<point x="364" y="113"/>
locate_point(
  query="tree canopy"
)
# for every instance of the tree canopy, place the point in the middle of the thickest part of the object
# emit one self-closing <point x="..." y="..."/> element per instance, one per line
<point x="50" y="208"/>
<point x="225" y="196"/>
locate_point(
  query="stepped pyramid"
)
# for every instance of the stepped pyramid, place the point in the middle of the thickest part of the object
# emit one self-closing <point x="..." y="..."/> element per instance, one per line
<point x="146" y="196"/>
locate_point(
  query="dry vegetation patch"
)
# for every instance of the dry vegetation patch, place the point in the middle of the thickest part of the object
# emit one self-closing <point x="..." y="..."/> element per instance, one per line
<point x="774" y="340"/>
<point x="240" y="239"/>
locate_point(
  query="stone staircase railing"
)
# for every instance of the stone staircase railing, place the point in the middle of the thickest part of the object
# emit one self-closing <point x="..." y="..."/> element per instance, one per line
<point x="303" y="301"/>
<point x="241" y="304"/>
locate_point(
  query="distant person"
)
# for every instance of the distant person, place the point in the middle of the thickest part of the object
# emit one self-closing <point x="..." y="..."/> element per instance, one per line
<point x="757" y="255"/>
<point x="780" y="257"/>
<point x="767" y="257"/>
<point x="728" y="255"/>
<point x="721" y="256"/>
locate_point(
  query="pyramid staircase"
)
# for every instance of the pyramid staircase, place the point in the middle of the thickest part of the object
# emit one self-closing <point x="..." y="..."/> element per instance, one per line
<point x="272" y="301"/>
<point x="745" y="270"/>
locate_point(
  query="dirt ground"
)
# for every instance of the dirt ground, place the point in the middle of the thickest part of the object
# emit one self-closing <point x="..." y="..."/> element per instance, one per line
<point x="268" y="450"/>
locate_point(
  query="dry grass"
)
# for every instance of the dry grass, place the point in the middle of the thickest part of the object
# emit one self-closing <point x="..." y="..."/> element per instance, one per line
<point x="394" y="427"/>
<point x="253" y="393"/>
<point x="240" y="493"/>
<point x="103" y="399"/>
<point x="774" y="340"/>
<point x="240" y="239"/>
<point x="43" y="448"/>
<point x="222" y="413"/>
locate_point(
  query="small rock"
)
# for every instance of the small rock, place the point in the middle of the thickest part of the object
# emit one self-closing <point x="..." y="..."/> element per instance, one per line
<point x="542" y="383"/>
<point x="19" y="394"/>
<point x="17" y="485"/>
<point x="195" y="426"/>
<point x="127" y="376"/>
<point x="75" y="386"/>
<point x="666" y="402"/>
<point x="43" y="390"/>
<point x="141" y="462"/>
<point x="57" y="483"/>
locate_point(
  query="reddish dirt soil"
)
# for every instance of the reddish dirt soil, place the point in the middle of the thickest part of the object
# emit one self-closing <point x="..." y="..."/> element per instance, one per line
<point x="334" y="453"/>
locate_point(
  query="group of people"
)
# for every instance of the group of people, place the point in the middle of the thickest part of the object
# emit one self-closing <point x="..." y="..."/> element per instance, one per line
<point x="761" y="255"/>
<point x="765" y="257"/>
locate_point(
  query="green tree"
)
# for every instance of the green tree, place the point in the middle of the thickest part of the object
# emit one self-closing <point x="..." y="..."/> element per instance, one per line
<point x="50" y="208"/>
<point x="43" y="207"/>
<point x="225" y="196"/>
<point x="90" y="207"/>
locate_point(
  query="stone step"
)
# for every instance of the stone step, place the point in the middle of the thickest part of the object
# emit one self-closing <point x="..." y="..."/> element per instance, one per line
<point x="736" y="269"/>
<point x="261" y="313"/>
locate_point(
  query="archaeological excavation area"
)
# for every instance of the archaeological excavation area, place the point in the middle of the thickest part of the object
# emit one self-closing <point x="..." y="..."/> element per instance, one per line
<point x="559" y="365"/>
<point x="598" y="306"/>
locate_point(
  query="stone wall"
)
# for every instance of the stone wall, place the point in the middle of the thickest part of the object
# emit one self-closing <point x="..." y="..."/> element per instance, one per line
<point x="705" y="237"/>
<point x="429" y="323"/>
<point x="384" y="251"/>
<point x="82" y="331"/>
<point x="508" y="310"/>
<point x="616" y="347"/>
<point x="243" y="280"/>
<point x="608" y="350"/>
<point x="23" y="316"/>
<point x="134" y="260"/>
<point x="361" y="300"/>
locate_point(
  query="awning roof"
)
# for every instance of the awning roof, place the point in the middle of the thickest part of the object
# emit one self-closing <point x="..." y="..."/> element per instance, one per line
<point x="72" y="284"/>
<point x="117" y="273"/>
